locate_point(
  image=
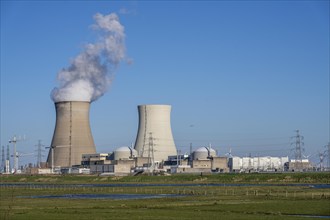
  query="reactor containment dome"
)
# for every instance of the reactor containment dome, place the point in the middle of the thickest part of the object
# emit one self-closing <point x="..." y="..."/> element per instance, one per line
<point x="125" y="153"/>
<point x="204" y="153"/>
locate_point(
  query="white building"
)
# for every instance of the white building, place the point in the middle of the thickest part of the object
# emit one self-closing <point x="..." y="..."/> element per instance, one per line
<point x="257" y="164"/>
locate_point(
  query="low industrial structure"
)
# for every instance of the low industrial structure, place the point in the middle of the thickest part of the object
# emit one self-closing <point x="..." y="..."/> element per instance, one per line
<point x="122" y="161"/>
<point x="125" y="161"/>
<point x="300" y="165"/>
<point x="202" y="160"/>
<point x="257" y="164"/>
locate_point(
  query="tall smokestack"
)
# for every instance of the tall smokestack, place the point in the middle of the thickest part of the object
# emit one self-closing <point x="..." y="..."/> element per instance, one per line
<point x="155" y="129"/>
<point x="72" y="136"/>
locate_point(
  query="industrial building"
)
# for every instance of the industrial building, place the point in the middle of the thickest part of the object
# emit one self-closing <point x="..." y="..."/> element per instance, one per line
<point x="122" y="161"/>
<point x="257" y="164"/>
<point x="73" y="138"/>
<point x="73" y="150"/>
<point x="202" y="160"/>
<point x="300" y="165"/>
<point x="125" y="161"/>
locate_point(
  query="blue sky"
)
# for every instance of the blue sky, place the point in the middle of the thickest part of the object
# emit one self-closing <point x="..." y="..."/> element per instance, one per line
<point x="242" y="74"/>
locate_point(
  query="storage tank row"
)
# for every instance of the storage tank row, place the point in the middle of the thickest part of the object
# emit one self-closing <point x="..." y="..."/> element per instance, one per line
<point x="248" y="164"/>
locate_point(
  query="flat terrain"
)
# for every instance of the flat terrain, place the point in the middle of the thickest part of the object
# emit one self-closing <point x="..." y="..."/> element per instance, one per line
<point x="252" y="196"/>
<point x="179" y="178"/>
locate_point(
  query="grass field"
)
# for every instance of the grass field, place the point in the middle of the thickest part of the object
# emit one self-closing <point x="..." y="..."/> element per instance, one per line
<point x="198" y="202"/>
<point x="179" y="178"/>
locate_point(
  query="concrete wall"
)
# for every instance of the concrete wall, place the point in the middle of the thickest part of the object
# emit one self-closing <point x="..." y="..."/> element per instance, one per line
<point x="216" y="163"/>
<point x="220" y="164"/>
<point x="190" y="170"/>
<point x="201" y="164"/>
<point x="140" y="161"/>
<point x="300" y="166"/>
<point x="124" y="166"/>
<point x="102" y="168"/>
<point x="36" y="170"/>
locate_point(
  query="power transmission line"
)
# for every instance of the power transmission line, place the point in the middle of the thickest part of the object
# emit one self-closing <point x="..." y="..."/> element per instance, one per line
<point x="2" y="159"/>
<point x="14" y="140"/>
<point x="7" y="160"/>
<point x="151" y="158"/>
<point x="327" y="154"/>
<point x="298" y="143"/>
<point x="39" y="153"/>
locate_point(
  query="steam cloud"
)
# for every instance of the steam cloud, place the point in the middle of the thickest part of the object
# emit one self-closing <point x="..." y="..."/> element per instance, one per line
<point x="89" y="75"/>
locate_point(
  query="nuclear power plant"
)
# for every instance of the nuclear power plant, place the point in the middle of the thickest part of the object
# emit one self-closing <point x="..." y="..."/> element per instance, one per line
<point x="86" y="79"/>
<point x="72" y="135"/>
<point x="154" y="137"/>
<point x="72" y="148"/>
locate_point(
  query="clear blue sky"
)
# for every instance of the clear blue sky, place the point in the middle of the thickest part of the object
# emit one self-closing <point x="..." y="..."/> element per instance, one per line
<point x="242" y="74"/>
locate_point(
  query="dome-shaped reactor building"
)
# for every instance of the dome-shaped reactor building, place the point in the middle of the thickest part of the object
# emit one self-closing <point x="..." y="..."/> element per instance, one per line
<point x="72" y="135"/>
<point x="154" y="138"/>
<point x="124" y="153"/>
<point x="204" y="153"/>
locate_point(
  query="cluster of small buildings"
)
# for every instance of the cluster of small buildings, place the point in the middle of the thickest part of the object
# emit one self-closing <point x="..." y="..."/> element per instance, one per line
<point x="125" y="161"/>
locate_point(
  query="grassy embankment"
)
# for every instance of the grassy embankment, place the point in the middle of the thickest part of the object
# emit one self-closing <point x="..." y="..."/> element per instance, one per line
<point x="178" y="178"/>
<point x="200" y="202"/>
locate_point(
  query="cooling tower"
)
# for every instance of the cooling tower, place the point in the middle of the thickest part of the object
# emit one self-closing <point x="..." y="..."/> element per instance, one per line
<point x="154" y="137"/>
<point x="72" y="136"/>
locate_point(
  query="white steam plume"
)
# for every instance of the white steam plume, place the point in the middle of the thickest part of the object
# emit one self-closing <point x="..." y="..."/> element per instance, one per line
<point x="89" y="75"/>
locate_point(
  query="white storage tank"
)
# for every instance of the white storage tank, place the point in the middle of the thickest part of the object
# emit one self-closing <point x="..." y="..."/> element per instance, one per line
<point x="235" y="164"/>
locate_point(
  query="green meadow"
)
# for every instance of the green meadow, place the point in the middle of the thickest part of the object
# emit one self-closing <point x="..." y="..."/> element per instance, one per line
<point x="262" y="200"/>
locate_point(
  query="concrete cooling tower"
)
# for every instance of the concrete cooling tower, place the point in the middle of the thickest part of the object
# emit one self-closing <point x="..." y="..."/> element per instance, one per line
<point x="154" y="137"/>
<point x="72" y="136"/>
